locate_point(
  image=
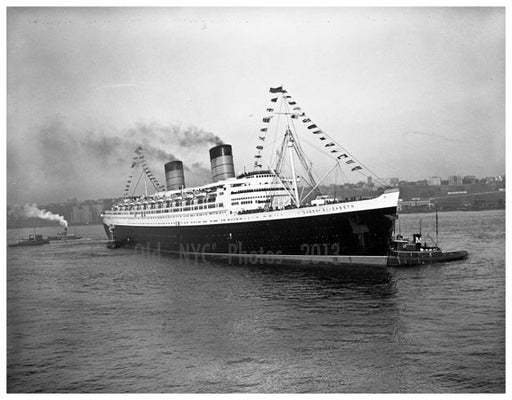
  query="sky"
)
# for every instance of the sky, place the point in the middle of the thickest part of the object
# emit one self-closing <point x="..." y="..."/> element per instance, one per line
<point x="410" y="92"/>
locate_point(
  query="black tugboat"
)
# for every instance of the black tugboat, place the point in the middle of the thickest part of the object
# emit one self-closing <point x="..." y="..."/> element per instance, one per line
<point x="404" y="252"/>
<point x="33" y="240"/>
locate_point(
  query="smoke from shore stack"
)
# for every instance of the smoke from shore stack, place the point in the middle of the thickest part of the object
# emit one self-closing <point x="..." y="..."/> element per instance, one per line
<point x="221" y="158"/>
<point x="174" y="175"/>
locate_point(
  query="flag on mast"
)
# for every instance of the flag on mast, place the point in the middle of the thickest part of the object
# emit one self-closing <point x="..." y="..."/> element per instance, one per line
<point x="277" y="90"/>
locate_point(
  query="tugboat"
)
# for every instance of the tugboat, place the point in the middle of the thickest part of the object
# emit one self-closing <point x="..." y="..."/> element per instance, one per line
<point x="64" y="236"/>
<point x="33" y="240"/>
<point x="403" y="252"/>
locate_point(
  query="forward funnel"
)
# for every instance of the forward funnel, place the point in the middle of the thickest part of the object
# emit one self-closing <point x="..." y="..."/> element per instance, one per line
<point x="174" y="176"/>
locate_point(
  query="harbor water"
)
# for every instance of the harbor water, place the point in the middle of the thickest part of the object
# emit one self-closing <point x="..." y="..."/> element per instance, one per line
<point x="82" y="318"/>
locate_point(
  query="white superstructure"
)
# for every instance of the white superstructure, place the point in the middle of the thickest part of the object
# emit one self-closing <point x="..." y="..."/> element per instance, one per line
<point x="253" y="196"/>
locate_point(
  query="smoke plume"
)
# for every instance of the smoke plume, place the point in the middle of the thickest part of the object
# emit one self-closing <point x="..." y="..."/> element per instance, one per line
<point x="153" y="138"/>
<point x="173" y="134"/>
<point x="60" y="162"/>
<point x="32" y="211"/>
<point x="198" y="169"/>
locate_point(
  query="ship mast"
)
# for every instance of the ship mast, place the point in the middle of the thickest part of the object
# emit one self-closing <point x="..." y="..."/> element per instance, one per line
<point x="139" y="162"/>
<point x="291" y="146"/>
<point x="282" y="103"/>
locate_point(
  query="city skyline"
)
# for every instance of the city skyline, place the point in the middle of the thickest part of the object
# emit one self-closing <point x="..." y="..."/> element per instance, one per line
<point x="412" y="92"/>
<point x="361" y="183"/>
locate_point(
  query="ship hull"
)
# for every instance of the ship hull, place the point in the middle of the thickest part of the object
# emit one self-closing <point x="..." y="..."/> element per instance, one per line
<point x="30" y="243"/>
<point x="354" y="238"/>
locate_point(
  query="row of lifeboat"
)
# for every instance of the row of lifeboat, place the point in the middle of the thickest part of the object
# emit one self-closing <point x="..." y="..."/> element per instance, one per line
<point x="153" y="203"/>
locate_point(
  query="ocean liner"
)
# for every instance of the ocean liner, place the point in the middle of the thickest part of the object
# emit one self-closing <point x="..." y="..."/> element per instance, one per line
<point x="268" y="215"/>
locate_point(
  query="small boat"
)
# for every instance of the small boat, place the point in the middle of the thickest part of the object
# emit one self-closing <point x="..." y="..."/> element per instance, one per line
<point x="61" y="236"/>
<point x="64" y="236"/>
<point x="33" y="240"/>
<point x="405" y="252"/>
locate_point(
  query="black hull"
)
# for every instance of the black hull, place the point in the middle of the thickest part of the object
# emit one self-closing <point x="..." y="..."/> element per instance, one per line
<point x="361" y="233"/>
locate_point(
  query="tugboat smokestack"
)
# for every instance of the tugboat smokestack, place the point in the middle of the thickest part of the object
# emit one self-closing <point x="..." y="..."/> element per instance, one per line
<point x="174" y="176"/>
<point x="221" y="158"/>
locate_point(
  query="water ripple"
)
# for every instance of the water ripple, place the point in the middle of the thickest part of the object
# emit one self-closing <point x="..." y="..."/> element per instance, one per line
<point x="88" y="319"/>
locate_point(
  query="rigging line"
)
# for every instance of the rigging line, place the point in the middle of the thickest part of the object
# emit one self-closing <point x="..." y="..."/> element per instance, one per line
<point x="279" y="154"/>
<point x="298" y="141"/>
<point x="306" y="163"/>
<point x="264" y="134"/>
<point x="335" y="181"/>
<point x="301" y="193"/>
<point x="135" y="161"/>
<point x="127" y="186"/>
<point x="321" y="180"/>
<point x="137" y="184"/>
<point x="354" y="158"/>
<point x="302" y="158"/>
<point x="281" y="157"/>
<point x="289" y="190"/>
<point x="279" y="164"/>
<point x="368" y="169"/>
<point x="333" y="158"/>
<point x="377" y="177"/>
<point x="312" y="181"/>
<point x="340" y="178"/>
<point x="154" y="181"/>
<point x="129" y="180"/>
<point x="276" y="130"/>
<point x="336" y="160"/>
<point x="342" y="173"/>
<point x="270" y="132"/>
<point x="382" y="181"/>
<point x="135" y="164"/>
<point x="273" y="142"/>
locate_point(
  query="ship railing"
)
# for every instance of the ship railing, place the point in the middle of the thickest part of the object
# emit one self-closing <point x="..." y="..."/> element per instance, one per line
<point x="196" y="207"/>
<point x="289" y="207"/>
<point x="210" y="205"/>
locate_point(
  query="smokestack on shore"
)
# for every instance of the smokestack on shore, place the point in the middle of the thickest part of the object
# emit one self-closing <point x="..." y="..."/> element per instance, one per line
<point x="221" y="158"/>
<point x="174" y="176"/>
